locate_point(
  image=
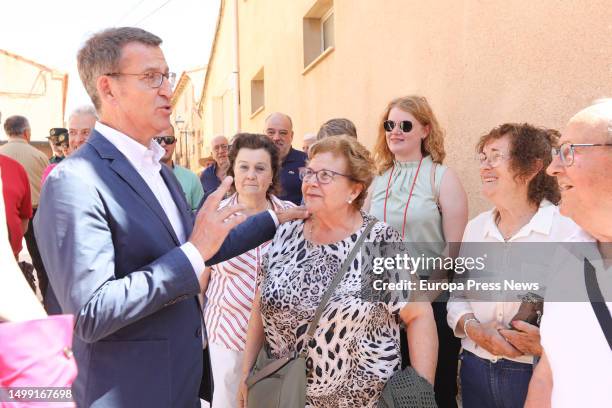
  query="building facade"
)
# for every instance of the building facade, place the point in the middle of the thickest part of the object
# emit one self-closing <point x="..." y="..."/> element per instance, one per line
<point x="186" y="118"/>
<point x="32" y="90"/>
<point x="479" y="63"/>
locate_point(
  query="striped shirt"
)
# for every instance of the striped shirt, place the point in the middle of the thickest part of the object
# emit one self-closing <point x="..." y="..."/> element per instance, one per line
<point x="230" y="293"/>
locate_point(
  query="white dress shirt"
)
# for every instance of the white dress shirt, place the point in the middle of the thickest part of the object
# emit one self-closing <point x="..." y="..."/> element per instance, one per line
<point x="547" y="225"/>
<point x="146" y="162"/>
<point x="572" y="337"/>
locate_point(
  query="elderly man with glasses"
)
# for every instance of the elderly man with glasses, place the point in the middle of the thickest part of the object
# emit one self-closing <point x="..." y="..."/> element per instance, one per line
<point x="575" y="369"/>
<point x="188" y="180"/>
<point x="211" y="176"/>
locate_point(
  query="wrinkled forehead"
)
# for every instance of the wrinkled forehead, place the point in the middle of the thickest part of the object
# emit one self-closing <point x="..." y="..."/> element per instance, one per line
<point x="587" y="128"/>
<point x="278" y="122"/>
<point x="82" y="121"/>
<point x="501" y="144"/>
<point x="138" y="57"/>
<point x="219" y="140"/>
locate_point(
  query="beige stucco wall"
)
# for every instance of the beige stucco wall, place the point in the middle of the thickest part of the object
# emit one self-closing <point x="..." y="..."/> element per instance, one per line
<point x="188" y="129"/>
<point x="479" y="63"/>
<point x="32" y="91"/>
<point x="217" y="104"/>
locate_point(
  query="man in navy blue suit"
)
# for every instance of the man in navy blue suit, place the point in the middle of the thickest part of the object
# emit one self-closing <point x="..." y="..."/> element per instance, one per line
<point x="119" y="241"/>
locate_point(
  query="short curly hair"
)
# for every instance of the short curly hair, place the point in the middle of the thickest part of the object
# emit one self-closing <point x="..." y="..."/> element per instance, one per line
<point x="358" y="158"/>
<point x="530" y="146"/>
<point x="419" y="107"/>
<point x="256" y="141"/>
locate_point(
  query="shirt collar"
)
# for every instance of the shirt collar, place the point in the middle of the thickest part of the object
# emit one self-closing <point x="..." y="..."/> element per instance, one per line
<point x="13" y="139"/>
<point x="541" y="222"/>
<point x="139" y="156"/>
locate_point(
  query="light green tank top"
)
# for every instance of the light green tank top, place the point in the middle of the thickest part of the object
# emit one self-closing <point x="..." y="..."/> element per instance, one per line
<point x="423" y="219"/>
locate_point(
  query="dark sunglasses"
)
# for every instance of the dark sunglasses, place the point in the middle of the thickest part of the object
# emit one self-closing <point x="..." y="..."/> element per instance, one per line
<point x="404" y="125"/>
<point x="166" y="139"/>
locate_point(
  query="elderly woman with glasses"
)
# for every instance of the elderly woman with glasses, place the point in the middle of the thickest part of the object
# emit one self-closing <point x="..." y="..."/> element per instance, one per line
<point x="498" y="351"/>
<point x="230" y="285"/>
<point x="425" y="202"/>
<point x="355" y="348"/>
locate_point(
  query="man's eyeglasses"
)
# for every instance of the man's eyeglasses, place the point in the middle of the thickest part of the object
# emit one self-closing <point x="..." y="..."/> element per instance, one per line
<point x="566" y="151"/>
<point x="323" y="176"/>
<point x="152" y="79"/>
<point x="494" y="159"/>
<point x="168" y="140"/>
<point x="221" y="148"/>
<point x="404" y="125"/>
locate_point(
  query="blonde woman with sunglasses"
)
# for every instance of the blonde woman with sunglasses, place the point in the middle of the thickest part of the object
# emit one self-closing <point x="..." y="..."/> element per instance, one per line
<point x="424" y="201"/>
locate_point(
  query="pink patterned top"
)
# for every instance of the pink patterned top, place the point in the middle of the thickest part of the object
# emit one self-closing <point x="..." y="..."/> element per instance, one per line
<point x="46" y="172"/>
<point x="38" y="353"/>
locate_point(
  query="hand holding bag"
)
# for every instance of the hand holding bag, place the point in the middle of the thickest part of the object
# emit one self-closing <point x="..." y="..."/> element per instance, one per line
<point x="281" y="383"/>
<point x="530" y="310"/>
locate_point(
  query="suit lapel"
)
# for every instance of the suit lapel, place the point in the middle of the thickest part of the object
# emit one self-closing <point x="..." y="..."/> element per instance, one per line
<point x="179" y="199"/>
<point x="120" y="165"/>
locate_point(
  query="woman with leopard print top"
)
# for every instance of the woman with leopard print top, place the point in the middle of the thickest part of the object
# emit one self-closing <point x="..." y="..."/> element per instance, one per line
<point x="355" y="348"/>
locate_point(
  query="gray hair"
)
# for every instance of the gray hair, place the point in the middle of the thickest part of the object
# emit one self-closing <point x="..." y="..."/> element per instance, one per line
<point x="16" y="125"/>
<point x="84" y="110"/>
<point x="336" y="127"/>
<point x="101" y="54"/>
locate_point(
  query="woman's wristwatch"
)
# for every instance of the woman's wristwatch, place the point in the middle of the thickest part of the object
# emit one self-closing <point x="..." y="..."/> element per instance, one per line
<point x="465" y="325"/>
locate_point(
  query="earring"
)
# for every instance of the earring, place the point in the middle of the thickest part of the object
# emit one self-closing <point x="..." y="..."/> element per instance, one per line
<point x="350" y="200"/>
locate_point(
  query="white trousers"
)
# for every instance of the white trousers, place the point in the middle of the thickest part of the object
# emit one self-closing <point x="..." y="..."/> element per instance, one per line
<point x="226" y="370"/>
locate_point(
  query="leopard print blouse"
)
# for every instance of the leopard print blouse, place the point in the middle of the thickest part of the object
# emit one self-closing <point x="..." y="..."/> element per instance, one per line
<point x="355" y="349"/>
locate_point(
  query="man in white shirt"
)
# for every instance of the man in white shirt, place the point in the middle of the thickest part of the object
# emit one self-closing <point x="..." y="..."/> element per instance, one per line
<point x="576" y="367"/>
<point x="119" y="241"/>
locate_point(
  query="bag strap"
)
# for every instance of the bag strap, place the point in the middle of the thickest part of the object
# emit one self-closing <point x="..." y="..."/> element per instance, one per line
<point x="432" y="181"/>
<point x="332" y="287"/>
<point x="597" y="301"/>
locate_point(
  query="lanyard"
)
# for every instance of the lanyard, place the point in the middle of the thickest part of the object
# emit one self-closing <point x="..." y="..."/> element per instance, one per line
<point x="409" y="196"/>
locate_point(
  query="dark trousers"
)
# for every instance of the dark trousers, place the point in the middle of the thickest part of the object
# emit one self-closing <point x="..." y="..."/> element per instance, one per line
<point x="41" y="274"/>
<point x="485" y="384"/>
<point x="206" y="385"/>
<point x="445" y="386"/>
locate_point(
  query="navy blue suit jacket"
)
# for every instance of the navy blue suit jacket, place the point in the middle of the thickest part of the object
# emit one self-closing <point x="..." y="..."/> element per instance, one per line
<point x="210" y="181"/>
<point x="290" y="176"/>
<point x="114" y="262"/>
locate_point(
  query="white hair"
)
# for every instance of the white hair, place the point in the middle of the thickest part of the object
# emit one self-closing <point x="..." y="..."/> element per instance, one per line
<point x="602" y="108"/>
<point x="84" y="110"/>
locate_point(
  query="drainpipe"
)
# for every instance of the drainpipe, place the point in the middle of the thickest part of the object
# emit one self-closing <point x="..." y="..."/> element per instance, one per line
<point x="235" y="71"/>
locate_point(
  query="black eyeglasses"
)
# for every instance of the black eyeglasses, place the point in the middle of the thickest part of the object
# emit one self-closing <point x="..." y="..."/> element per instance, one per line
<point x="323" y="176"/>
<point x="168" y="140"/>
<point x="566" y="151"/>
<point x="404" y="125"/>
<point x="152" y="79"/>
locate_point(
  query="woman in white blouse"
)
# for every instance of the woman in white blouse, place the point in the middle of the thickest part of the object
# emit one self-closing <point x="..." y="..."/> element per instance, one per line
<point x="230" y="286"/>
<point x="497" y="361"/>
